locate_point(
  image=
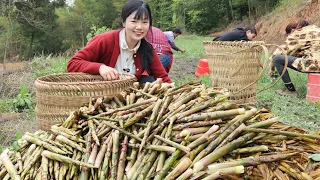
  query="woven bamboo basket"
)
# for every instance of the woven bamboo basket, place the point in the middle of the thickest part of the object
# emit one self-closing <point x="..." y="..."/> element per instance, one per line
<point x="234" y="65"/>
<point x="59" y="94"/>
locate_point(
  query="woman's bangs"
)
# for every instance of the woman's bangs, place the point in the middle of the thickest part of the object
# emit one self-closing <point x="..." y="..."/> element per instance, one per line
<point x="142" y="14"/>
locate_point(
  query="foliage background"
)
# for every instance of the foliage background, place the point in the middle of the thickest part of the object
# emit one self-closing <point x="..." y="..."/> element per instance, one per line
<point x="32" y="27"/>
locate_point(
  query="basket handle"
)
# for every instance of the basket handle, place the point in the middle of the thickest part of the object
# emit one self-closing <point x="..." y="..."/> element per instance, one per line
<point x="265" y="66"/>
<point x="286" y="61"/>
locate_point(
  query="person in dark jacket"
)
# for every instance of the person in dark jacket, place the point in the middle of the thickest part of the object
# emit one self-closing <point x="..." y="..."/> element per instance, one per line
<point x="239" y="34"/>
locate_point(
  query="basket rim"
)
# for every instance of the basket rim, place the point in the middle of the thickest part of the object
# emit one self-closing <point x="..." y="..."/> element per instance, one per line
<point x="40" y="80"/>
<point x="234" y="42"/>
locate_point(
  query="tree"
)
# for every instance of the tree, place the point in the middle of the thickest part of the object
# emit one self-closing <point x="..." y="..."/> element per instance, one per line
<point x="179" y="13"/>
<point x="75" y="22"/>
<point x="38" y="19"/>
<point x="6" y="24"/>
<point x="162" y="13"/>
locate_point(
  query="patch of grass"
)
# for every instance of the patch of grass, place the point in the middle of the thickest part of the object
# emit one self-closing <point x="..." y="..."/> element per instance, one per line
<point x="205" y="79"/>
<point x="296" y="111"/>
<point x="187" y="78"/>
<point x="193" y="46"/>
<point x="43" y="65"/>
<point x="284" y="5"/>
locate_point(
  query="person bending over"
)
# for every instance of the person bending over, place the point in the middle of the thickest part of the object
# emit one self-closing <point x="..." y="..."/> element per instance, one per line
<point x="161" y="45"/>
<point x="171" y="35"/>
<point x="239" y="34"/>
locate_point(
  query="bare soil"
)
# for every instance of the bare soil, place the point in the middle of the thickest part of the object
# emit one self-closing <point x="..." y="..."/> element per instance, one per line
<point x="12" y="67"/>
<point x="183" y="67"/>
<point x="271" y="28"/>
<point x="11" y="123"/>
<point x="10" y="81"/>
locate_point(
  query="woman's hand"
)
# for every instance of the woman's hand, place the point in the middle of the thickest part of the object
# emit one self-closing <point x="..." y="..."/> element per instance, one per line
<point x="108" y="73"/>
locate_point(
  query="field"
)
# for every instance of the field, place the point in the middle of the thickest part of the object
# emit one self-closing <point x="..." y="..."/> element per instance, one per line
<point x="294" y="111"/>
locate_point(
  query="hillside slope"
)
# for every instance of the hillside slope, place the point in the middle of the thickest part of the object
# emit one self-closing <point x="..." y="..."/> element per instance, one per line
<point x="271" y="27"/>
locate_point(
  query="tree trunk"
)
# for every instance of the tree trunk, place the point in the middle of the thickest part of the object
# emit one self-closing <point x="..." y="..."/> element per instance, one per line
<point x="5" y="56"/>
<point x="231" y="8"/>
<point x="30" y="45"/>
<point x="82" y="32"/>
<point x="249" y="15"/>
<point x="6" y="46"/>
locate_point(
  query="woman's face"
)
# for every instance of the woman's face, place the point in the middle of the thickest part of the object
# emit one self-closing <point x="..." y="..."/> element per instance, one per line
<point x="135" y="29"/>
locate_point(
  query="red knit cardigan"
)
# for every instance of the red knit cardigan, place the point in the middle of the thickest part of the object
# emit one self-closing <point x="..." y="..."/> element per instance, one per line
<point x="105" y="49"/>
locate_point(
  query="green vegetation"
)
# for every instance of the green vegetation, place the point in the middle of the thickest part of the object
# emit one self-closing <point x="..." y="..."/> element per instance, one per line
<point x="14" y="146"/>
<point x="295" y="111"/>
<point x="192" y="44"/>
<point x="44" y="65"/>
<point x="22" y="102"/>
<point x="33" y="27"/>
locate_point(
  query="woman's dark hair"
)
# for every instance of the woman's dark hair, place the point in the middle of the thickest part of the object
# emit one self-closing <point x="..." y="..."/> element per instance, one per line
<point x="290" y="27"/>
<point x="252" y="29"/>
<point x="302" y="23"/>
<point x="177" y="31"/>
<point x="142" y="12"/>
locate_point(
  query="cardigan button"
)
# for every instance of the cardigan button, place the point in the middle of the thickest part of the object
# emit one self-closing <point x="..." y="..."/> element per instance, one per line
<point x="137" y="69"/>
<point x="134" y="55"/>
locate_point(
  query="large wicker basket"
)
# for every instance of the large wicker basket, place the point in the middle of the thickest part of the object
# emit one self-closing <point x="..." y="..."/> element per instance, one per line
<point x="234" y="65"/>
<point x="58" y="94"/>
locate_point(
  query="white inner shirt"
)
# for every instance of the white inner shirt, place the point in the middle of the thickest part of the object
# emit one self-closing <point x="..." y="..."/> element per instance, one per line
<point x="125" y="61"/>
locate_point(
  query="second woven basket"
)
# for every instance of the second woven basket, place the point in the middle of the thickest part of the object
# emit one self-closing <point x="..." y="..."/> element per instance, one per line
<point x="234" y="65"/>
<point x="59" y="94"/>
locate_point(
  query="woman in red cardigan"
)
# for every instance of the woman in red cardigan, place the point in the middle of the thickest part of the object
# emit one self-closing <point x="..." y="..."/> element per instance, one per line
<point x="123" y="50"/>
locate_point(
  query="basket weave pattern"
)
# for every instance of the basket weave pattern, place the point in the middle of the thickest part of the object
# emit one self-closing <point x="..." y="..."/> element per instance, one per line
<point x="58" y="94"/>
<point x="233" y="65"/>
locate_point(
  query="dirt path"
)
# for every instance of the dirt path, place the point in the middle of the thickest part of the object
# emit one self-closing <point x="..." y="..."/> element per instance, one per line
<point x="182" y="68"/>
<point x="12" y="67"/>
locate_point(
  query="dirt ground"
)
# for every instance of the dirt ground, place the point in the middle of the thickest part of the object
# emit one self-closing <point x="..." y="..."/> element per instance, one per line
<point x="182" y="68"/>
<point x="12" y="67"/>
<point x="12" y="123"/>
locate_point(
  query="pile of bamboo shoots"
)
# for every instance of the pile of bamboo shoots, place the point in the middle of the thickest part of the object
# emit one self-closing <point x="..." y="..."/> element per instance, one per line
<point x="163" y="132"/>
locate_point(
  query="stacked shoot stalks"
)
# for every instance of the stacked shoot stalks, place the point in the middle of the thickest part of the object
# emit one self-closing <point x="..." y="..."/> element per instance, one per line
<point x="158" y="131"/>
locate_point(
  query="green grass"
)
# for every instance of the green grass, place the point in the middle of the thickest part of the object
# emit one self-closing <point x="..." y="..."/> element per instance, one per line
<point x="285" y="5"/>
<point x="193" y="46"/>
<point x="296" y="111"/>
<point x="45" y="65"/>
